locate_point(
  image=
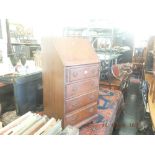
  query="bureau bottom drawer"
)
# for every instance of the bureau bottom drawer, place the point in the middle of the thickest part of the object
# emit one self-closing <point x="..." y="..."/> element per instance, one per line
<point x="80" y="115"/>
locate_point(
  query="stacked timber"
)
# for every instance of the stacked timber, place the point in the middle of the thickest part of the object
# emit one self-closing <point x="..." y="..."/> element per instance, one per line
<point x="35" y="124"/>
<point x="0" y="125"/>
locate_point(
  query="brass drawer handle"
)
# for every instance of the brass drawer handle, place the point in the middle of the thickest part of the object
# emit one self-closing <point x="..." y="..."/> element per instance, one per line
<point x="75" y="74"/>
<point x="91" y="110"/>
<point x="93" y="71"/>
<point x="91" y="97"/>
<point x="93" y="83"/>
<point x="75" y="104"/>
<point x="73" y="118"/>
<point x="74" y="89"/>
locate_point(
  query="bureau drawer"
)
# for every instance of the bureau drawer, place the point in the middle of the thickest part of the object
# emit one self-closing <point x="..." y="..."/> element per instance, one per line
<point x="78" y="102"/>
<point x="82" y="72"/>
<point x="83" y="87"/>
<point x="80" y="115"/>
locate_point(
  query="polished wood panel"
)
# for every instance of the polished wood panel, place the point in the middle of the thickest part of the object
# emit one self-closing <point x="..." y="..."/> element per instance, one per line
<point x="74" y="51"/>
<point x="70" y="79"/>
<point x="53" y="81"/>
<point x="78" y="102"/>
<point x="81" y="114"/>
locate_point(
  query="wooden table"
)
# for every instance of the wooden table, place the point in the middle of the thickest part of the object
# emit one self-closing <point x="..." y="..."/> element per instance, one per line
<point x="115" y="84"/>
<point x="2" y="84"/>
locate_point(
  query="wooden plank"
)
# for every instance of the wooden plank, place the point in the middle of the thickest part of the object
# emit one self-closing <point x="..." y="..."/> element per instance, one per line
<point x="51" y="122"/>
<point x="15" y="123"/>
<point x="54" y="130"/>
<point x="18" y="129"/>
<point x="35" y="127"/>
<point x="25" y="125"/>
<point x="1" y="125"/>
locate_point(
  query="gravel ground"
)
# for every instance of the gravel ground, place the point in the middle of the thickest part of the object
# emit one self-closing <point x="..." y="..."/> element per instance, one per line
<point x="8" y="117"/>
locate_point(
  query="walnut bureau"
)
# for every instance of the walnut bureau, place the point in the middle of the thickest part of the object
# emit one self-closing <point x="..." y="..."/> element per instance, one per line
<point x="70" y="80"/>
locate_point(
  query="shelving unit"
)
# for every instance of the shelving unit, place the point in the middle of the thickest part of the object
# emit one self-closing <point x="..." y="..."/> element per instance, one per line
<point x="20" y="41"/>
<point x="104" y="39"/>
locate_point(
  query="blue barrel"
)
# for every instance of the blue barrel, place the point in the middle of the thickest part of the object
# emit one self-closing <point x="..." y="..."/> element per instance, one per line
<point x="28" y="92"/>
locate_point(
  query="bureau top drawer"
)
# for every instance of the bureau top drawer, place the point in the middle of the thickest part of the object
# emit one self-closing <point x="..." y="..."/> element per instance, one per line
<point x="82" y="72"/>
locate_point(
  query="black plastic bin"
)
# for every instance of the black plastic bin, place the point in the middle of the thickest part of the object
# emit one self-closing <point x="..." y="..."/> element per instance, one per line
<point x="6" y="97"/>
<point x="28" y="92"/>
